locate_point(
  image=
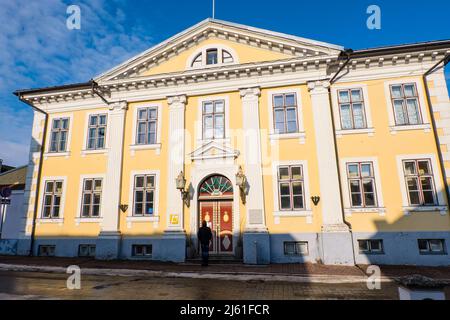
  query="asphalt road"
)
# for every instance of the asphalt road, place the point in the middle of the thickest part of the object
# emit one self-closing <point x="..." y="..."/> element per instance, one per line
<point x="36" y="286"/>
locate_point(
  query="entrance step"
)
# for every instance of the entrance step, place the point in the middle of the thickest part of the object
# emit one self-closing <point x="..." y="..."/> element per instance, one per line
<point x="217" y="260"/>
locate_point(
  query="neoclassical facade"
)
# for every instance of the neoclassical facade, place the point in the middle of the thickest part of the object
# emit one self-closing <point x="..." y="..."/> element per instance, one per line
<point x="292" y="150"/>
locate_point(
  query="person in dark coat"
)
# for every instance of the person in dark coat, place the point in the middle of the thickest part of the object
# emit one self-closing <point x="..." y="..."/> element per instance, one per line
<point x="204" y="236"/>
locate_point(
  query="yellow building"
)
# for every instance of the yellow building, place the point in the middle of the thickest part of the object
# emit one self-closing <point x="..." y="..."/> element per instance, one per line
<point x="293" y="150"/>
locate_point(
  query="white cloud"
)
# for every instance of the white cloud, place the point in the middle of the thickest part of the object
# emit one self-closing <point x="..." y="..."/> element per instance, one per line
<point x="38" y="50"/>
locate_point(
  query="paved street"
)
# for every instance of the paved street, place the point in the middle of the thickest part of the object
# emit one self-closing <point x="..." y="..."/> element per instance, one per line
<point x="20" y="285"/>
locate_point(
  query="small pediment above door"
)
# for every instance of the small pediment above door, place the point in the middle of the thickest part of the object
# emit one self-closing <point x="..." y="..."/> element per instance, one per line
<point x="214" y="150"/>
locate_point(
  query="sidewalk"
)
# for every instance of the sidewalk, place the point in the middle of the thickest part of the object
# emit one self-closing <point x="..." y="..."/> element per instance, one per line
<point x="227" y="271"/>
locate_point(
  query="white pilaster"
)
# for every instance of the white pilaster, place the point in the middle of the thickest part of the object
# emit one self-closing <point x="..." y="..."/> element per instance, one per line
<point x="177" y="107"/>
<point x="252" y="157"/>
<point x="328" y="171"/>
<point x="111" y="190"/>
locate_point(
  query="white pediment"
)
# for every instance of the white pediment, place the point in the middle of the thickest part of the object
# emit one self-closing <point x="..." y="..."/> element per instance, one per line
<point x="214" y="150"/>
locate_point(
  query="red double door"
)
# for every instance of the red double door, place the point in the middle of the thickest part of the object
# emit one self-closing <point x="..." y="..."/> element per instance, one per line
<point x="219" y="217"/>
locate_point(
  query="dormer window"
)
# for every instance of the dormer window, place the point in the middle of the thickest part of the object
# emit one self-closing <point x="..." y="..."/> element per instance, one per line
<point x="212" y="56"/>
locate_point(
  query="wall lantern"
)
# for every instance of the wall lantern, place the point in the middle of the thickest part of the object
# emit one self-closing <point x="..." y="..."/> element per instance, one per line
<point x="181" y="184"/>
<point x="315" y="200"/>
<point x="241" y="182"/>
<point x="123" y="208"/>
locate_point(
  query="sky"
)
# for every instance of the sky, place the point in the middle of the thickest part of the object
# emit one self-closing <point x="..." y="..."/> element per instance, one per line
<point x="38" y="50"/>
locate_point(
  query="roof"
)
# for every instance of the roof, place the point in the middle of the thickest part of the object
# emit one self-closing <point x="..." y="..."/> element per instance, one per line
<point x="15" y="177"/>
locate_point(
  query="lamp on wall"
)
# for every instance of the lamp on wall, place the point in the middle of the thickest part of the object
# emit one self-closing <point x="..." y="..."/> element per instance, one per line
<point x="181" y="184"/>
<point x="241" y="182"/>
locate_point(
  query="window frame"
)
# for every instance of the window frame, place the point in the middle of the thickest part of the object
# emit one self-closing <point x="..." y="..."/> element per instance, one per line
<point x="404" y="104"/>
<point x="350" y="103"/>
<point x="297" y="252"/>
<point x="198" y="59"/>
<point x="429" y="249"/>
<point x="147" y="121"/>
<point x="291" y="181"/>
<point x="52" y="194"/>
<point x="144" y="191"/>
<point x="92" y="193"/>
<point x="58" y="132"/>
<point x="361" y="180"/>
<point x="97" y="127"/>
<point x="144" y="254"/>
<point x="213" y="115"/>
<point x="419" y="183"/>
<point x="284" y="108"/>
<point x="370" y="250"/>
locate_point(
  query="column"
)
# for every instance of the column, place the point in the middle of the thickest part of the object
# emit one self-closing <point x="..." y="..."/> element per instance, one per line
<point x="175" y="236"/>
<point x="256" y="238"/>
<point x="336" y="238"/>
<point x="108" y="243"/>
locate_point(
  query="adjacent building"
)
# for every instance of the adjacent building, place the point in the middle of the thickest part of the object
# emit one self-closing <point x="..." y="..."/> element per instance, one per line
<point x="293" y="150"/>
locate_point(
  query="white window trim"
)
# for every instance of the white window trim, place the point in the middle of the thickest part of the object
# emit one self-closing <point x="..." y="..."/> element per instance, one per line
<point x="155" y="146"/>
<point x="66" y="154"/>
<point x="85" y="150"/>
<point x="277" y="212"/>
<point x="425" y="125"/>
<point x="203" y="50"/>
<point x="348" y="209"/>
<point x="155" y="218"/>
<point x="441" y="206"/>
<point x="301" y="134"/>
<point x="59" y="220"/>
<point x="80" y="219"/>
<point x="199" y="124"/>
<point x="370" y="130"/>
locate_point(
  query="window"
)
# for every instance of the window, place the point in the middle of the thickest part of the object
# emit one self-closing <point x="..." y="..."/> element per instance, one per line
<point x="52" y="199"/>
<point x="285" y="113"/>
<point x="361" y="182"/>
<point x="293" y="248"/>
<point x="227" y="57"/>
<point x="86" y="250"/>
<point x="59" y="135"/>
<point x="146" y="126"/>
<point x="291" y="188"/>
<point x="405" y="102"/>
<point x="211" y="56"/>
<point x="431" y="246"/>
<point x="46" y="251"/>
<point x="351" y="109"/>
<point x="97" y="132"/>
<point x="419" y="182"/>
<point x="370" y="246"/>
<point x="214" y="119"/>
<point x="197" y="61"/>
<point x="142" y="250"/>
<point x="92" y="194"/>
<point x="144" y="193"/>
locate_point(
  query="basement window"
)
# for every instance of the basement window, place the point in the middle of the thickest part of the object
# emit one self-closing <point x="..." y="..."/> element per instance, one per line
<point x="86" y="250"/>
<point x="46" y="251"/>
<point x="371" y="246"/>
<point x="142" y="250"/>
<point x="431" y="246"/>
<point x="296" y="248"/>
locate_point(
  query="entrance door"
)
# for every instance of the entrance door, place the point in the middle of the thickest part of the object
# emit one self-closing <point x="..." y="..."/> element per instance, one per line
<point x="219" y="217"/>
<point x="216" y="208"/>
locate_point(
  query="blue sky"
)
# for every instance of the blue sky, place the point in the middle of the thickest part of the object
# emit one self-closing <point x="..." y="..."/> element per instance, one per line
<point x="38" y="50"/>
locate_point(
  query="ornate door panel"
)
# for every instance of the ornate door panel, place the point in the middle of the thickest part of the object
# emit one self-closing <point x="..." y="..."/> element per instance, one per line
<point x="207" y="213"/>
<point x="225" y="227"/>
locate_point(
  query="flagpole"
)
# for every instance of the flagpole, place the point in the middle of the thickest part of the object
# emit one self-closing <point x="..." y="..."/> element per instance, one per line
<point x="214" y="9"/>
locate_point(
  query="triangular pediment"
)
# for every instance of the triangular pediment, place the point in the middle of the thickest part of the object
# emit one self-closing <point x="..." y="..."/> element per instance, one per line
<point x="247" y="45"/>
<point x="214" y="150"/>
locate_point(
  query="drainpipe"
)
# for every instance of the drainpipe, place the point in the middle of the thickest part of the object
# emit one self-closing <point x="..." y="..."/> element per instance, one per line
<point x="347" y="53"/>
<point x="38" y="183"/>
<point x="445" y="60"/>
